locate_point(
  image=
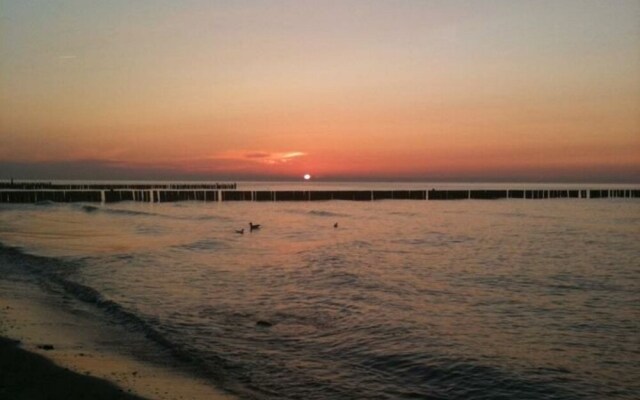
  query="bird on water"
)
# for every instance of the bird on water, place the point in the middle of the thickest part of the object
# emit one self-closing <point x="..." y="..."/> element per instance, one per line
<point x="335" y="225"/>
<point x="253" y="227"/>
<point x="240" y="231"/>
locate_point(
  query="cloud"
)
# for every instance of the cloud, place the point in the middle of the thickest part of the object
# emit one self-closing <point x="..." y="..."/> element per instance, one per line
<point x="258" y="154"/>
<point x="264" y="157"/>
<point x="291" y="154"/>
<point x="274" y="158"/>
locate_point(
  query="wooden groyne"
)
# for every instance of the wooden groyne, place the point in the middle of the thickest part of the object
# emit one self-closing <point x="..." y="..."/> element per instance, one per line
<point x="169" y="193"/>
<point x="117" y="186"/>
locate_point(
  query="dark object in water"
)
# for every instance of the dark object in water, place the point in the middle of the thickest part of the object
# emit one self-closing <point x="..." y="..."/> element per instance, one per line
<point x="253" y="227"/>
<point x="240" y="231"/>
<point x="335" y="225"/>
<point x="264" y="324"/>
<point x="46" y="346"/>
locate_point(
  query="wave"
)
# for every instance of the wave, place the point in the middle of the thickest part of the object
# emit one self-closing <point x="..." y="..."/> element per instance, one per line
<point x="206" y="218"/>
<point x="113" y="211"/>
<point x="203" y="245"/>
<point x="321" y="213"/>
<point x="123" y="212"/>
<point x="322" y="354"/>
<point x="116" y="211"/>
<point x="403" y="213"/>
<point x="460" y="378"/>
<point x="317" y="213"/>
<point x="45" y="203"/>
<point x="90" y="209"/>
<point x="53" y="274"/>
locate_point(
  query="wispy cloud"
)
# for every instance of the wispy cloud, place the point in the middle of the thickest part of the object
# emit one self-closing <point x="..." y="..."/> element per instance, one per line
<point x="257" y="154"/>
<point x="262" y="157"/>
<point x="291" y="154"/>
<point x="274" y="158"/>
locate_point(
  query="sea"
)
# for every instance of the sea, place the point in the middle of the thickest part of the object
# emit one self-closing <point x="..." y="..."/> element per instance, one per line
<point x="404" y="299"/>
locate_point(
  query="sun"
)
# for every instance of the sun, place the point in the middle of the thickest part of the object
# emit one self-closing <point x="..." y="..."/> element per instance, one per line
<point x="307" y="177"/>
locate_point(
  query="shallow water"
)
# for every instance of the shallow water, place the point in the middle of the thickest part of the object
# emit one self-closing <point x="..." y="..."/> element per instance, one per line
<point x="527" y="299"/>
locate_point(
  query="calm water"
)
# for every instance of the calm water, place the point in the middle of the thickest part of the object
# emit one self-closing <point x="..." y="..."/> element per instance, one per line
<point x="405" y="299"/>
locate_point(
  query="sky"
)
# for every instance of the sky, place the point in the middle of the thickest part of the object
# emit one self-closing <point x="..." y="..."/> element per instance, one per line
<point x="493" y="90"/>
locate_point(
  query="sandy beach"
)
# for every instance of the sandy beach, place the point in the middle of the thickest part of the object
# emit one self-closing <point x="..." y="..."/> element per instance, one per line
<point x="52" y="352"/>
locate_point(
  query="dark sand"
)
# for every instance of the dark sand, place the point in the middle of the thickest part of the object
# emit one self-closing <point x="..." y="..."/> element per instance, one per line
<point x="25" y="375"/>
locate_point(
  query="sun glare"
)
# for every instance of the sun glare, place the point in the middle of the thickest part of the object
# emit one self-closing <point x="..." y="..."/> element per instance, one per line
<point x="307" y="177"/>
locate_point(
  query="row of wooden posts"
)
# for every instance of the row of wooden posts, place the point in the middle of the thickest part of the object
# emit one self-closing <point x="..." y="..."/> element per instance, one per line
<point x="10" y="185"/>
<point x="164" y="195"/>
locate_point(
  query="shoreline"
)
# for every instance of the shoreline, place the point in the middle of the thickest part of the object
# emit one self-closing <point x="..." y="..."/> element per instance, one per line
<point x="56" y="347"/>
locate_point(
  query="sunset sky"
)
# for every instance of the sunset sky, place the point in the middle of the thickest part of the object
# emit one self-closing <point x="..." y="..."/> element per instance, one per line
<point x="425" y="90"/>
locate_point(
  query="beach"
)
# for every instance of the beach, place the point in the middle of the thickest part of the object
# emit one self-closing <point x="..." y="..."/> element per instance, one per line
<point x="26" y="375"/>
<point x="53" y="351"/>
<point x="320" y="200"/>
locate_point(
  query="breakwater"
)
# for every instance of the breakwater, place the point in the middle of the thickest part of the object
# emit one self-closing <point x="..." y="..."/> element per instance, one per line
<point x="117" y="186"/>
<point x="215" y="193"/>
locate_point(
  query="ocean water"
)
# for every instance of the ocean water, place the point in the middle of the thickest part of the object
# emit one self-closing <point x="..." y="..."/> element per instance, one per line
<point x="506" y="299"/>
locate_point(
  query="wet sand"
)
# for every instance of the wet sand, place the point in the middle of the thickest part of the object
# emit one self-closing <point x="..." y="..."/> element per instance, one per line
<point x="51" y="350"/>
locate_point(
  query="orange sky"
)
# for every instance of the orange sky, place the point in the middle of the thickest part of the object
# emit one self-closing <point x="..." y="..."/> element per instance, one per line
<point x="496" y="90"/>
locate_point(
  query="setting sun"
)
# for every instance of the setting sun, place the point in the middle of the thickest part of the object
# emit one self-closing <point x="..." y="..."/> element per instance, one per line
<point x="471" y="230"/>
<point x="518" y="91"/>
